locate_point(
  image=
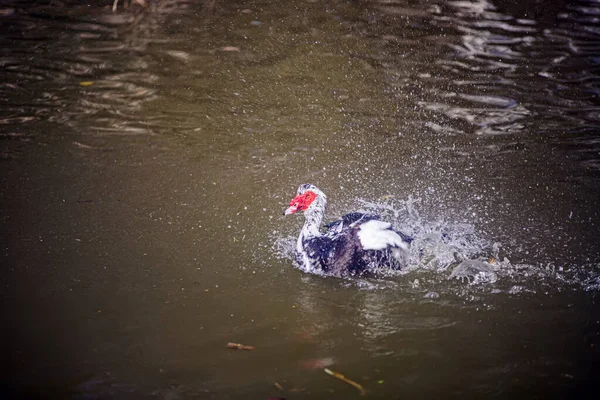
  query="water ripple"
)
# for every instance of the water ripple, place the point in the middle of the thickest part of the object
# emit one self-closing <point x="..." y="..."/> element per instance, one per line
<point x="552" y="72"/>
<point x="94" y="55"/>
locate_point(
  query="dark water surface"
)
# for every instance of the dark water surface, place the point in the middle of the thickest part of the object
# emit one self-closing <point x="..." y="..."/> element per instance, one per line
<point x="147" y="155"/>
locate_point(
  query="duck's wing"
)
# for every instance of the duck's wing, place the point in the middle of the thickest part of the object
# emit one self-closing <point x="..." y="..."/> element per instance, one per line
<point x="379" y="235"/>
<point x="347" y="222"/>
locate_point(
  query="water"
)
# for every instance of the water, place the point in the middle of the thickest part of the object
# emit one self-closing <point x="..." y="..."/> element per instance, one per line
<point x="148" y="154"/>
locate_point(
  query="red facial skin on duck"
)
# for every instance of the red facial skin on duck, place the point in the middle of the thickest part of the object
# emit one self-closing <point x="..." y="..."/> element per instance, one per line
<point x="301" y="202"/>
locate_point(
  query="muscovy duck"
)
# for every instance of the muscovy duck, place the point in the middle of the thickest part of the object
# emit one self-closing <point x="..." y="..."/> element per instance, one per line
<point x="355" y="244"/>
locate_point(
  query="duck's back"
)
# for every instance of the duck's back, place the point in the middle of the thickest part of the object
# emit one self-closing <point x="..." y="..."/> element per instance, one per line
<point x="346" y="222"/>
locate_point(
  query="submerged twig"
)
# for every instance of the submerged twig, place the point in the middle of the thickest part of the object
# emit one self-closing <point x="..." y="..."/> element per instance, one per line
<point x="344" y="379"/>
<point x="238" y="346"/>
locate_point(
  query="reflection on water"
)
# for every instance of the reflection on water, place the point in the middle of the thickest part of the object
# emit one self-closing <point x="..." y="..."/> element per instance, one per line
<point x="548" y="67"/>
<point x="148" y="153"/>
<point x="103" y="80"/>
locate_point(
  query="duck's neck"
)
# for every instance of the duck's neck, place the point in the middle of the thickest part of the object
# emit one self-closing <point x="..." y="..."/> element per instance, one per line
<point x="312" y="223"/>
<point x="314" y="217"/>
<point x="310" y="230"/>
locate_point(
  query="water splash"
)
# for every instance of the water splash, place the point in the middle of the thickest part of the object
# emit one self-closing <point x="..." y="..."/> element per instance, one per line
<point x="438" y="245"/>
<point x="454" y="253"/>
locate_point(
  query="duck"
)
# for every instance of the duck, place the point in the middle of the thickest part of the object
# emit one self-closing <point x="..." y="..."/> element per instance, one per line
<point x="357" y="244"/>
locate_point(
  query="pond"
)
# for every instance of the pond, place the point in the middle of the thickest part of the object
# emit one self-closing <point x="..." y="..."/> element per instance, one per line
<point x="148" y="149"/>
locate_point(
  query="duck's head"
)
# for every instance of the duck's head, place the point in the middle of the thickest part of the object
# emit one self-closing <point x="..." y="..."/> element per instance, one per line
<point x="309" y="198"/>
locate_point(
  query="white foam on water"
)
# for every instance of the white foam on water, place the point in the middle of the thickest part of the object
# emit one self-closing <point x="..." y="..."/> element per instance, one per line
<point x="437" y="245"/>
